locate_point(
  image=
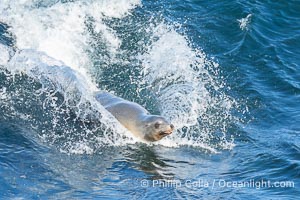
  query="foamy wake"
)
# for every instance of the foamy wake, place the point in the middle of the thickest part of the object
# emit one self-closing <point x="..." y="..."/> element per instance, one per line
<point x="55" y="50"/>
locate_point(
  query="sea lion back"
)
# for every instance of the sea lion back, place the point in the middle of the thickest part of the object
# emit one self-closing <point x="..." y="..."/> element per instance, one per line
<point x="135" y="117"/>
<point x="107" y="99"/>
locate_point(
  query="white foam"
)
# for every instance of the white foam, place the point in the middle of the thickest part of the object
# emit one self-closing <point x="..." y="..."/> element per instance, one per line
<point x="244" y="22"/>
<point x="59" y="30"/>
<point x="4" y="54"/>
<point x="3" y="95"/>
<point x="80" y="148"/>
<point x="41" y="67"/>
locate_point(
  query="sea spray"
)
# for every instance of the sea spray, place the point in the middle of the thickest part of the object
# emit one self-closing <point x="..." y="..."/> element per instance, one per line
<point x="67" y="50"/>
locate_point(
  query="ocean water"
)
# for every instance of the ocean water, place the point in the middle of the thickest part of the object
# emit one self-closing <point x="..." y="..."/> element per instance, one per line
<point x="226" y="73"/>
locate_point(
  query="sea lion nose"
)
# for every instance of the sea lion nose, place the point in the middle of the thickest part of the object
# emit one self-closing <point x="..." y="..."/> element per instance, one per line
<point x="172" y="126"/>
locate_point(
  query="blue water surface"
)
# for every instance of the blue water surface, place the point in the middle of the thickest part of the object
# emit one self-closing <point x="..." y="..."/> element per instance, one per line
<point x="258" y="62"/>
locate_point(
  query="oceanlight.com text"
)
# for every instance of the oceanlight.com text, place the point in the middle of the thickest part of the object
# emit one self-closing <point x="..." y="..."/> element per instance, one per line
<point x="217" y="183"/>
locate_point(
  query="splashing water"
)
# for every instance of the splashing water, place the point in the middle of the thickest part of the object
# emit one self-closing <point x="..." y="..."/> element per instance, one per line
<point x="58" y="102"/>
<point x="244" y="22"/>
<point x="5" y="55"/>
<point x="53" y="72"/>
<point x="59" y="29"/>
<point x="186" y="89"/>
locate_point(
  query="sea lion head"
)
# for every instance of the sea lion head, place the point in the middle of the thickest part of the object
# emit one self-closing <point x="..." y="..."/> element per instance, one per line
<point x="156" y="127"/>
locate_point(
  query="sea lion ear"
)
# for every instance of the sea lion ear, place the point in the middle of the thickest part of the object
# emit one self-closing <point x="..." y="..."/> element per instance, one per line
<point x="156" y="125"/>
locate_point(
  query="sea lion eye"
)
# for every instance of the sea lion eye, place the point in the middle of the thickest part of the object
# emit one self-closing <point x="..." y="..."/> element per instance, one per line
<point x="156" y="125"/>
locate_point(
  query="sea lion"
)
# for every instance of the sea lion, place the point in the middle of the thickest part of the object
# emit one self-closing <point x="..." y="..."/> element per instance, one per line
<point x="135" y="118"/>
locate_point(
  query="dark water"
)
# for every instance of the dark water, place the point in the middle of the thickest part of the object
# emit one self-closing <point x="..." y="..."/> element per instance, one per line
<point x="238" y="123"/>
